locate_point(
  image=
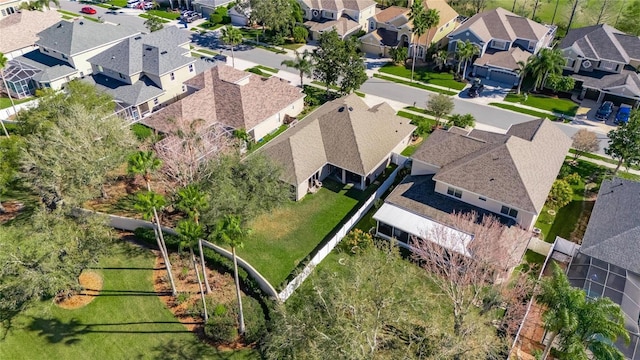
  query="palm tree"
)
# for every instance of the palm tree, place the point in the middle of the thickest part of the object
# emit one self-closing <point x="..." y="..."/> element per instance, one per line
<point x="3" y="63"/>
<point x="147" y="203"/>
<point x="191" y="233"/>
<point x="548" y="61"/>
<point x="192" y="201"/>
<point x="440" y="59"/>
<point x="562" y="302"/>
<point x="600" y="323"/>
<point x="231" y="36"/>
<point x="303" y="64"/>
<point x="420" y="26"/>
<point x="431" y="19"/>
<point x="465" y="51"/>
<point x="230" y="231"/>
<point x="522" y="70"/>
<point x="46" y="3"/>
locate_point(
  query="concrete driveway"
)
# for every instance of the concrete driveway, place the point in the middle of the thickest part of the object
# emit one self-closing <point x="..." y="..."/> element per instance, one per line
<point x="493" y="92"/>
<point x="586" y="116"/>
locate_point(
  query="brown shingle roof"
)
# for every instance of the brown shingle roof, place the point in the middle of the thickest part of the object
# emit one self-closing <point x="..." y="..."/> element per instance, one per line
<point x="502" y="24"/>
<point x="229" y="96"/>
<point x="338" y="4"/>
<point x="390" y="13"/>
<point x="344" y="132"/>
<point x="343" y="26"/>
<point x="503" y="59"/>
<point x="517" y="169"/>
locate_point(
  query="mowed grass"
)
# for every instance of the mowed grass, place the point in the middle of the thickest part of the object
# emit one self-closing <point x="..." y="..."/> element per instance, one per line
<point x="5" y="102"/>
<point x="564" y="106"/>
<point x="521" y="110"/>
<point x="425" y="75"/>
<point x="283" y="238"/>
<point x="126" y="321"/>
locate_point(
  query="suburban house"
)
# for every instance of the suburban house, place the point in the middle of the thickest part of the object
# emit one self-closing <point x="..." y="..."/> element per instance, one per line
<point x="607" y="262"/>
<point x="234" y="98"/>
<point x="62" y="55"/>
<point x="347" y="17"/>
<point x="603" y="61"/>
<point x="208" y="7"/>
<point x="460" y="171"/>
<point x="19" y="30"/>
<point x="9" y="7"/>
<point x="239" y="16"/>
<point x="503" y="39"/>
<point x="391" y="27"/>
<point x="344" y="139"/>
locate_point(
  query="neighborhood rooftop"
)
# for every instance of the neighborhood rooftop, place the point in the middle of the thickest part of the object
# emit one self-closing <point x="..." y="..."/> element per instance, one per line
<point x="338" y="4"/>
<point x="504" y="25"/>
<point x="603" y="42"/>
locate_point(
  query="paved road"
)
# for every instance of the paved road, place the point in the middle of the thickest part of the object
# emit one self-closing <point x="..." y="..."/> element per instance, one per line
<point x="123" y="17"/>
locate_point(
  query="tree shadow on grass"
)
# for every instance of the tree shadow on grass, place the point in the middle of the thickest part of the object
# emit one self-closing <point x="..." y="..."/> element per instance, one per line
<point x="71" y="332"/>
<point x="191" y="349"/>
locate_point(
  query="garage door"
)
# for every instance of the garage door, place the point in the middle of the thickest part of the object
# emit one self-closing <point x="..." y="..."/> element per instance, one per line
<point x="617" y="100"/>
<point x="503" y="77"/>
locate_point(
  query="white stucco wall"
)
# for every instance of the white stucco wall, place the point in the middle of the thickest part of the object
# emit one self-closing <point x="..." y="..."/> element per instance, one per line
<point x="421" y="168"/>
<point x="276" y="120"/>
<point x="402" y="145"/>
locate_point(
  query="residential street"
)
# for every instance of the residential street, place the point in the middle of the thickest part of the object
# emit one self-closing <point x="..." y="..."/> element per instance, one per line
<point x="123" y="17"/>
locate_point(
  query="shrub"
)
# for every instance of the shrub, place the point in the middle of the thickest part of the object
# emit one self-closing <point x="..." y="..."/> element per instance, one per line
<point x="219" y="310"/>
<point x="222" y="11"/>
<point x="359" y="34"/>
<point x="226" y="20"/>
<point x="215" y="18"/>
<point x="560" y="195"/>
<point x="254" y="320"/>
<point x="222" y="328"/>
<point x="300" y="34"/>
<point x="573" y="179"/>
<point x="356" y="241"/>
<point x="141" y="132"/>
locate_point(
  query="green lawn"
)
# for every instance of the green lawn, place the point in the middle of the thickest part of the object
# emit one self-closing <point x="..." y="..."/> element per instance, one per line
<point x="164" y="14"/>
<point x="207" y="25"/>
<point x="283" y="238"/>
<point x="292" y="46"/>
<point x="522" y="110"/>
<point x="126" y="321"/>
<point x="564" y="106"/>
<point x="441" y="79"/>
<point x="269" y="69"/>
<point x="120" y="3"/>
<point x="5" y="102"/>
<point x="147" y="16"/>
<point x="205" y="51"/>
<point x="256" y="70"/>
<point x="409" y="150"/>
<point x="414" y="84"/>
<point x="602" y="158"/>
<point x="268" y="138"/>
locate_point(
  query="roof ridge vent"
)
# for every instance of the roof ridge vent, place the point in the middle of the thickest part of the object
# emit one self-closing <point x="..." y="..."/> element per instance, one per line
<point x="163" y="52"/>
<point x="350" y="108"/>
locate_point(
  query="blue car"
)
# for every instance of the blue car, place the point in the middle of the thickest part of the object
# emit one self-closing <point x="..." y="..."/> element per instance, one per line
<point x="604" y="111"/>
<point x="622" y="117"/>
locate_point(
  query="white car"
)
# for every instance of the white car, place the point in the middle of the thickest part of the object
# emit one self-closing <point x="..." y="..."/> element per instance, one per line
<point x="132" y="4"/>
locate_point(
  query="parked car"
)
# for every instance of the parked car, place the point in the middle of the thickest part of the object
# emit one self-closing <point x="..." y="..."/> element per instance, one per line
<point x="221" y="57"/>
<point x="624" y="112"/>
<point x="604" y="111"/>
<point x="476" y="88"/>
<point x="133" y="4"/>
<point x="88" y="10"/>
<point x="207" y="59"/>
<point x="145" y="5"/>
<point x="189" y="16"/>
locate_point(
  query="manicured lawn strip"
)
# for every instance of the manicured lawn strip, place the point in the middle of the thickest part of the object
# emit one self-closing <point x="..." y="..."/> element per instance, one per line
<point x="251" y="33"/>
<point x="335" y="88"/>
<point x="292" y="46"/>
<point x="415" y="118"/>
<point x="164" y="14"/>
<point x="88" y="17"/>
<point x="268" y="137"/>
<point x="5" y="102"/>
<point x="68" y="13"/>
<point x="205" y="51"/>
<point x="283" y="238"/>
<point x="441" y="79"/>
<point x="256" y="70"/>
<point x="417" y="85"/>
<point x="126" y="321"/>
<point x="106" y="6"/>
<point x="147" y="16"/>
<point x="409" y="150"/>
<point x="269" y="69"/>
<point x="120" y="3"/>
<point x="67" y="17"/>
<point x="522" y="110"/>
<point x="563" y="106"/>
<point x="210" y="26"/>
<point x="602" y="158"/>
<point x="268" y="48"/>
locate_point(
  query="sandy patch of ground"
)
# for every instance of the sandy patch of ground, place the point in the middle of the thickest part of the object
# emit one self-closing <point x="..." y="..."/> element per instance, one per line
<point x="91" y="283"/>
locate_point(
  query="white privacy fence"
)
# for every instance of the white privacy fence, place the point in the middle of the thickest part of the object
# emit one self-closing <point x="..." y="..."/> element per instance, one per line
<point x="325" y="250"/>
<point x="7" y="112"/>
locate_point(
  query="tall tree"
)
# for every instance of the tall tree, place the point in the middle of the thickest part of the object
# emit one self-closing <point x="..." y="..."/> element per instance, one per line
<point x="628" y="21"/>
<point x="144" y="163"/>
<point x="419" y="27"/>
<point x="191" y="233"/>
<point x="624" y="142"/>
<point x="431" y="19"/>
<point x="548" y="61"/>
<point x="562" y="302"/>
<point x="522" y="71"/>
<point x="277" y="15"/>
<point x="352" y="69"/>
<point x="10" y="151"/>
<point x="302" y="63"/>
<point x="232" y="37"/>
<point x="585" y="141"/>
<point x="3" y="63"/>
<point x="192" y="201"/>
<point x="148" y="203"/>
<point x="231" y="231"/>
<point x="440" y="105"/>
<point x="555" y="11"/>
<point x="574" y="9"/>
<point x="465" y="52"/>
<point x="328" y="58"/>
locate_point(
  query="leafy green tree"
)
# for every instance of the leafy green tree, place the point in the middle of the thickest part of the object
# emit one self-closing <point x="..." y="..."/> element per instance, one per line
<point x="233" y="37"/>
<point x="300" y="34"/>
<point x="547" y="62"/>
<point x="398" y="54"/>
<point x="440" y="105"/>
<point x="191" y="233"/>
<point x="629" y="22"/>
<point x="231" y="232"/>
<point x="560" y="195"/>
<point x="328" y="57"/>
<point x="465" y="52"/>
<point x="43" y="257"/>
<point x="624" y="142"/>
<point x="524" y="67"/>
<point x="562" y="302"/>
<point x="440" y="58"/>
<point x="47" y="3"/>
<point x="10" y="150"/>
<point x="277" y="15"/>
<point x="557" y="82"/>
<point x="153" y="23"/>
<point x="352" y="70"/>
<point x="3" y="64"/>
<point x="192" y="201"/>
<point x="302" y="63"/>
<point x="463" y="121"/>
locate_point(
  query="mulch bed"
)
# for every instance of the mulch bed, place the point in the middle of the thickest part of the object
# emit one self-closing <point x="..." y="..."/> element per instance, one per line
<point x="12" y="209"/>
<point x="91" y="283"/>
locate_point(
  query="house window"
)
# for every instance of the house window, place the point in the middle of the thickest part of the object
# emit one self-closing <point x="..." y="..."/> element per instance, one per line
<point x="190" y="67"/>
<point x="372" y="25"/>
<point x="173" y="76"/>
<point x="509" y="211"/>
<point x="81" y="73"/>
<point x="121" y="76"/>
<point x="482" y="198"/>
<point x="454" y="192"/>
<point x="385" y="229"/>
<point x="155" y="101"/>
<point x="499" y="44"/>
<point x="447" y="25"/>
<point x="184" y="88"/>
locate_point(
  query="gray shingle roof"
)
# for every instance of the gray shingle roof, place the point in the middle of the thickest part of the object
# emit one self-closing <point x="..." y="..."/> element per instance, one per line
<point x="517" y="169"/>
<point x="137" y="93"/>
<point x="50" y="67"/>
<point x="338" y="4"/>
<point x="156" y="53"/>
<point x="344" y="132"/>
<point x="603" y="42"/>
<point x="77" y="36"/>
<point x="502" y="24"/>
<point x="613" y="232"/>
